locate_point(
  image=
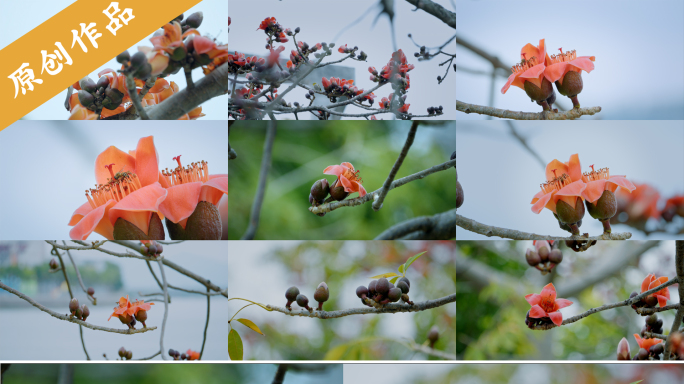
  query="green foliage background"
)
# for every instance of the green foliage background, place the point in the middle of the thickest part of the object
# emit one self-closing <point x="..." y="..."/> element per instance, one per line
<point x="301" y="151"/>
<point x="491" y="321"/>
<point x="314" y="261"/>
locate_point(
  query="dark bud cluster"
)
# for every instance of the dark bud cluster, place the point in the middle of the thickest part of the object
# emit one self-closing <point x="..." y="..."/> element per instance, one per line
<point x="533" y="323"/>
<point x="646" y="302"/>
<point x="435" y="110"/>
<point x="319" y="191"/>
<point x="382" y="292"/>
<point x="423" y="54"/>
<point x="321" y="295"/>
<point x="152" y="248"/>
<point x="124" y="354"/>
<point x="80" y="312"/>
<point x="177" y="355"/>
<point x="544" y="258"/>
<point x="653" y="325"/>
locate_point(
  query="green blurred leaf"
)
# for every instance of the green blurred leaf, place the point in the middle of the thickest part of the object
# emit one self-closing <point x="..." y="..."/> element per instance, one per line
<point x="250" y="324"/>
<point x="337" y="353"/>
<point x="234" y="345"/>
<point x="390" y="274"/>
<point x="636" y="382"/>
<point x="412" y="259"/>
<point x="401" y="268"/>
<point x="394" y="279"/>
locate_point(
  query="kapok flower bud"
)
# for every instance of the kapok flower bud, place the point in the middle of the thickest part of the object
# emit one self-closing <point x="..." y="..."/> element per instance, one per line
<point x="194" y="20"/>
<point x="459" y="195"/>
<point x="102" y="82"/>
<point x="53" y="264"/>
<point x="532" y="258"/>
<point x="291" y="295"/>
<point x="570" y="215"/>
<point x="556" y="256"/>
<point x="129" y="355"/>
<point x="73" y="304"/>
<point x="86" y="98"/>
<point x="433" y="336"/>
<point x="85" y="311"/>
<point x="319" y="191"/>
<point x="338" y="193"/>
<point x="321" y="295"/>
<point x="87" y="85"/>
<point x="623" y="350"/>
<point x="303" y="302"/>
<point x="141" y="316"/>
<point x="122" y="352"/>
<point x="138" y="60"/>
<point x="123" y="57"/>
<point x="91" y="291"/>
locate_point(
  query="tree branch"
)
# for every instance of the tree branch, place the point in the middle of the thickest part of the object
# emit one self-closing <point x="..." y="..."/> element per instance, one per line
<point x="489" y="231"/>
<point x="263" y="176"/>
<point x="441" y="226"/>
<point x="280" y="374"/>
<point x="380" y="197"/>
<point x="523" y="142"/>
<point x="329" y="207"/>
<point x="166" y="307"/>
<point x="436" y="10"/>
<point x="679" y="264"/>
<point x="73" y="319"/>
<point x="387" y="308"/>
<point x="206" y="325"/>
<point x="506" y="114"/>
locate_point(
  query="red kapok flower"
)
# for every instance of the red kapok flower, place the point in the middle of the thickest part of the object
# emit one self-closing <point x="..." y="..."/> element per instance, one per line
<point x="651" y="282"/>
<point x="646" y="343"/>
<point x="192" y="355"/>
<point x="121" y="310"/>
<point x="127" y="187"/>
<point x="641" y="204"/>
<point x="558" y="65"/>
<point x="531" y="67"/>
<point x="601" y="180"/>
<point x="267" y="22"/>
<point x="547" y="305"/>
<point x="347" y="176"/>
<point x="564" y="182"/>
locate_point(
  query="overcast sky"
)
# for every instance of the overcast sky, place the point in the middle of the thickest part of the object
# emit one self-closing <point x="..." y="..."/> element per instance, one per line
<point x="214" y="24"/>
<point x="499" y="177"/>
<point x="638" y="45"/>
<point x="322" y="20"/>
<point x="48" y="164"/>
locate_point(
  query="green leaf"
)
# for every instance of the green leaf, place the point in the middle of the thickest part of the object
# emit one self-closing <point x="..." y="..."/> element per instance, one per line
<point x="251" y="325"/>
<point x="412" y="259"/>
<point x="390" y="274"/>
<point x="394" y="279"/>
<point x="337" y="353"/>
<point x="401" y="268"/>
<point x="234" y="345"/>
<point x="637" y="382"/>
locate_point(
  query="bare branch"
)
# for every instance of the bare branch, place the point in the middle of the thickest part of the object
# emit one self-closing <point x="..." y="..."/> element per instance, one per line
<point x="523" y="142"/>
<point x="73" y="319"/>
<point x="280" y="374"/>
<point x="489" y="231"/>
<point x="380" y="197"/>
<point x="263" y="176"/>
<point x="133" y="94"/>
<point x="436" y="10"/>
<point x="441" y="226"/>
<point x="506" y="114"/>
<point x="206" y="325"/>
<point x="166" y="307"/>
<point x="679" y="264"/>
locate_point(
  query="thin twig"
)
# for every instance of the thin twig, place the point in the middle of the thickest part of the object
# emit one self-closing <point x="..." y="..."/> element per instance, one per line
<point x="206" y="325"/>
<point x="73" y="319"/>
<point x="679" y="264"/>
<point x="436" y="10"/>
<point x="150" y="357"/>
<point x="441" y="226"/>
<point x="263" y="176"/>
<point x="133" y="94"/>
<point x="489" y="231"/>
<point x="329" y="207"/>
<point x="80" y="330"/>
<point x="523" y="141"/>
<point x="78" y="275"/>
<point x="280" y="374"/>
<point x="380" y="197"/>
<point x="515" y="115"/>
<point x="166" y="307"/>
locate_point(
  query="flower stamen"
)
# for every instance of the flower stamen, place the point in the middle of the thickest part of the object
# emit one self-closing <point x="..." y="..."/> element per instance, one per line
<point x="601" y="174"/>
<point x="555" y="184"/>
<point x="563" y="56"/>
<point x="192" y="173"/>
<point x="117" y="187"/>
<point x="525" y="64"/>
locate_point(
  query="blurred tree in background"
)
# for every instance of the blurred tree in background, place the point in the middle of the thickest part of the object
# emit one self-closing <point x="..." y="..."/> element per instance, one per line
<point x="493" y="278"/>
<point x="303" y="149"/>
<point x="344" y="266"/>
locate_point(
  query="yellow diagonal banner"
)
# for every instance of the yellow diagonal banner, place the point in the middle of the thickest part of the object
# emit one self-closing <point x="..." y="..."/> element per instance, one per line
<point x="71" y="45"/>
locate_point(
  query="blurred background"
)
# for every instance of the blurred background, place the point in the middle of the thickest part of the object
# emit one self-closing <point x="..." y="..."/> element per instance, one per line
<point x="26" y="333"/>
<point x="354" y="25"/>
<point x="60" y="156"/>
<point x="302" y="150"/>
<point x="493" y="278"/>
<point x="182" y="373"/>
<point x="262" y="271"/>
<point x="214" y="25"/>
<point x="604" y="29"/>
<point x="517" y="373"/>
<point x="646" y="152"/>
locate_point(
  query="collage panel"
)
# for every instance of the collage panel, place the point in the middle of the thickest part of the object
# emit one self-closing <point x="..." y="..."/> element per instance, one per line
<point x="542" y="300"/>
<point x="342" y="180"/>
<point x="342" y="300"/>
<point x="516" y="70"/>
<point x="371" y="60"/>
<point x="598" y="180"/>
<point x="142" y="180"/>
<point x="95" y="301"/>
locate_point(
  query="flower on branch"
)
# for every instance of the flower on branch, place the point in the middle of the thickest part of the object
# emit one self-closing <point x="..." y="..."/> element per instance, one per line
<point x="564" y="183"/>
<point x="530" y="69"/>
<point x="650" y="282"/>
<point x="192" y="355"/>
<point x="646" y="343"/>
<point x="546" y="305"/>
<point x="347" y="178"/>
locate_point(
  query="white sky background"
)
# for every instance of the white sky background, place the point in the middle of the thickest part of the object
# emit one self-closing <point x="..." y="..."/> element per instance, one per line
<point x="47" y="166"/>
<point x="320" y="21"/>
<point x="639" y="49"/>
<point x="499" y="177"/>
<point x="35" y="13"/>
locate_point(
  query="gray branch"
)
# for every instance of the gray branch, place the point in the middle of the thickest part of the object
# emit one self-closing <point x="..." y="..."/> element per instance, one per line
<point x="263" y="176"/>
<point x="380" y="197"/>
<point x="436" y="10"/>
<point x="441" y="226"/>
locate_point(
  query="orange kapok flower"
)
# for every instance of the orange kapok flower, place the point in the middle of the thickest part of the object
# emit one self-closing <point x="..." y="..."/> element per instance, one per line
<point x="121" y="311"/>
<point x="192" y="355"/>
<point x="640" y="205"/>
<point x="673" y="206"/>
<point x="547" y="305"/>
<point x="599" y="194"/>
<point x="531" y="69"/>
<point x="187" y="188"/>
<point x="646" y="343"/>
<point x="565" y="69"/>
<point x="564" y="182"/>
<point x="650" y="282"/>
<point x="127" y="188"/>
<point x="347" y="177"/>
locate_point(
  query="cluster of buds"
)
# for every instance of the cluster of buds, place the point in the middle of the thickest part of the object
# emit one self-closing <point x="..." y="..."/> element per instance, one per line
<point x="544" y="256"/>
<point x="301" y="55"/>
<point x="649" y="349"/>
<point x="395" y="71"/>
<point x="151" y="248"/>
<point x="380" y="292"/>
<point x="124" y="354"/>
<point x="274" y="31"/>
<point x="424" y="53"/>
<point x="321" y="295"/>
<point x="335" y="88"/>
<point x="398" y="103"/>
<point x="435" y="110"/>
<point x="99" y="95"/>
<point x="80" y="312"/>
<point x="188" y="355"/>
<point x="239" y="63"/>
<point x="653" y="324"/>
<point x="654" y="299"/>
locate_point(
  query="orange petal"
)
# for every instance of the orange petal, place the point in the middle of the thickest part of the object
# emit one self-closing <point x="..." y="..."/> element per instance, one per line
<point x="556" y="71"/>
<point x="147" y="161"/>
<point x="541" y="202"/>
<point x="334" y="170"/>
<point x="92" y="221"/>
<point x="584" y="62"/>
<point x="137" y="207"/>
<point x="181" y="201"/>
<point x="615" y="181"/>
<point x="214" y="189"/>
<point x="559" y="166"/>
<point x="203" y="44"/>
<point x="562" y="303"/>
<point x="548" y="292"/>
<point x="647" y="282"/>
<point x="112" y="155"/>
<point x="536" y="312"/>
<point x="557" y="318"/>
<point x="574" y="168"/>
<point x="594" y="190"/>
<point x="511" y="80"/>
<point x="533" y="299"/>
<point x="572" y="190"/>
<point x="159" y="85"/>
